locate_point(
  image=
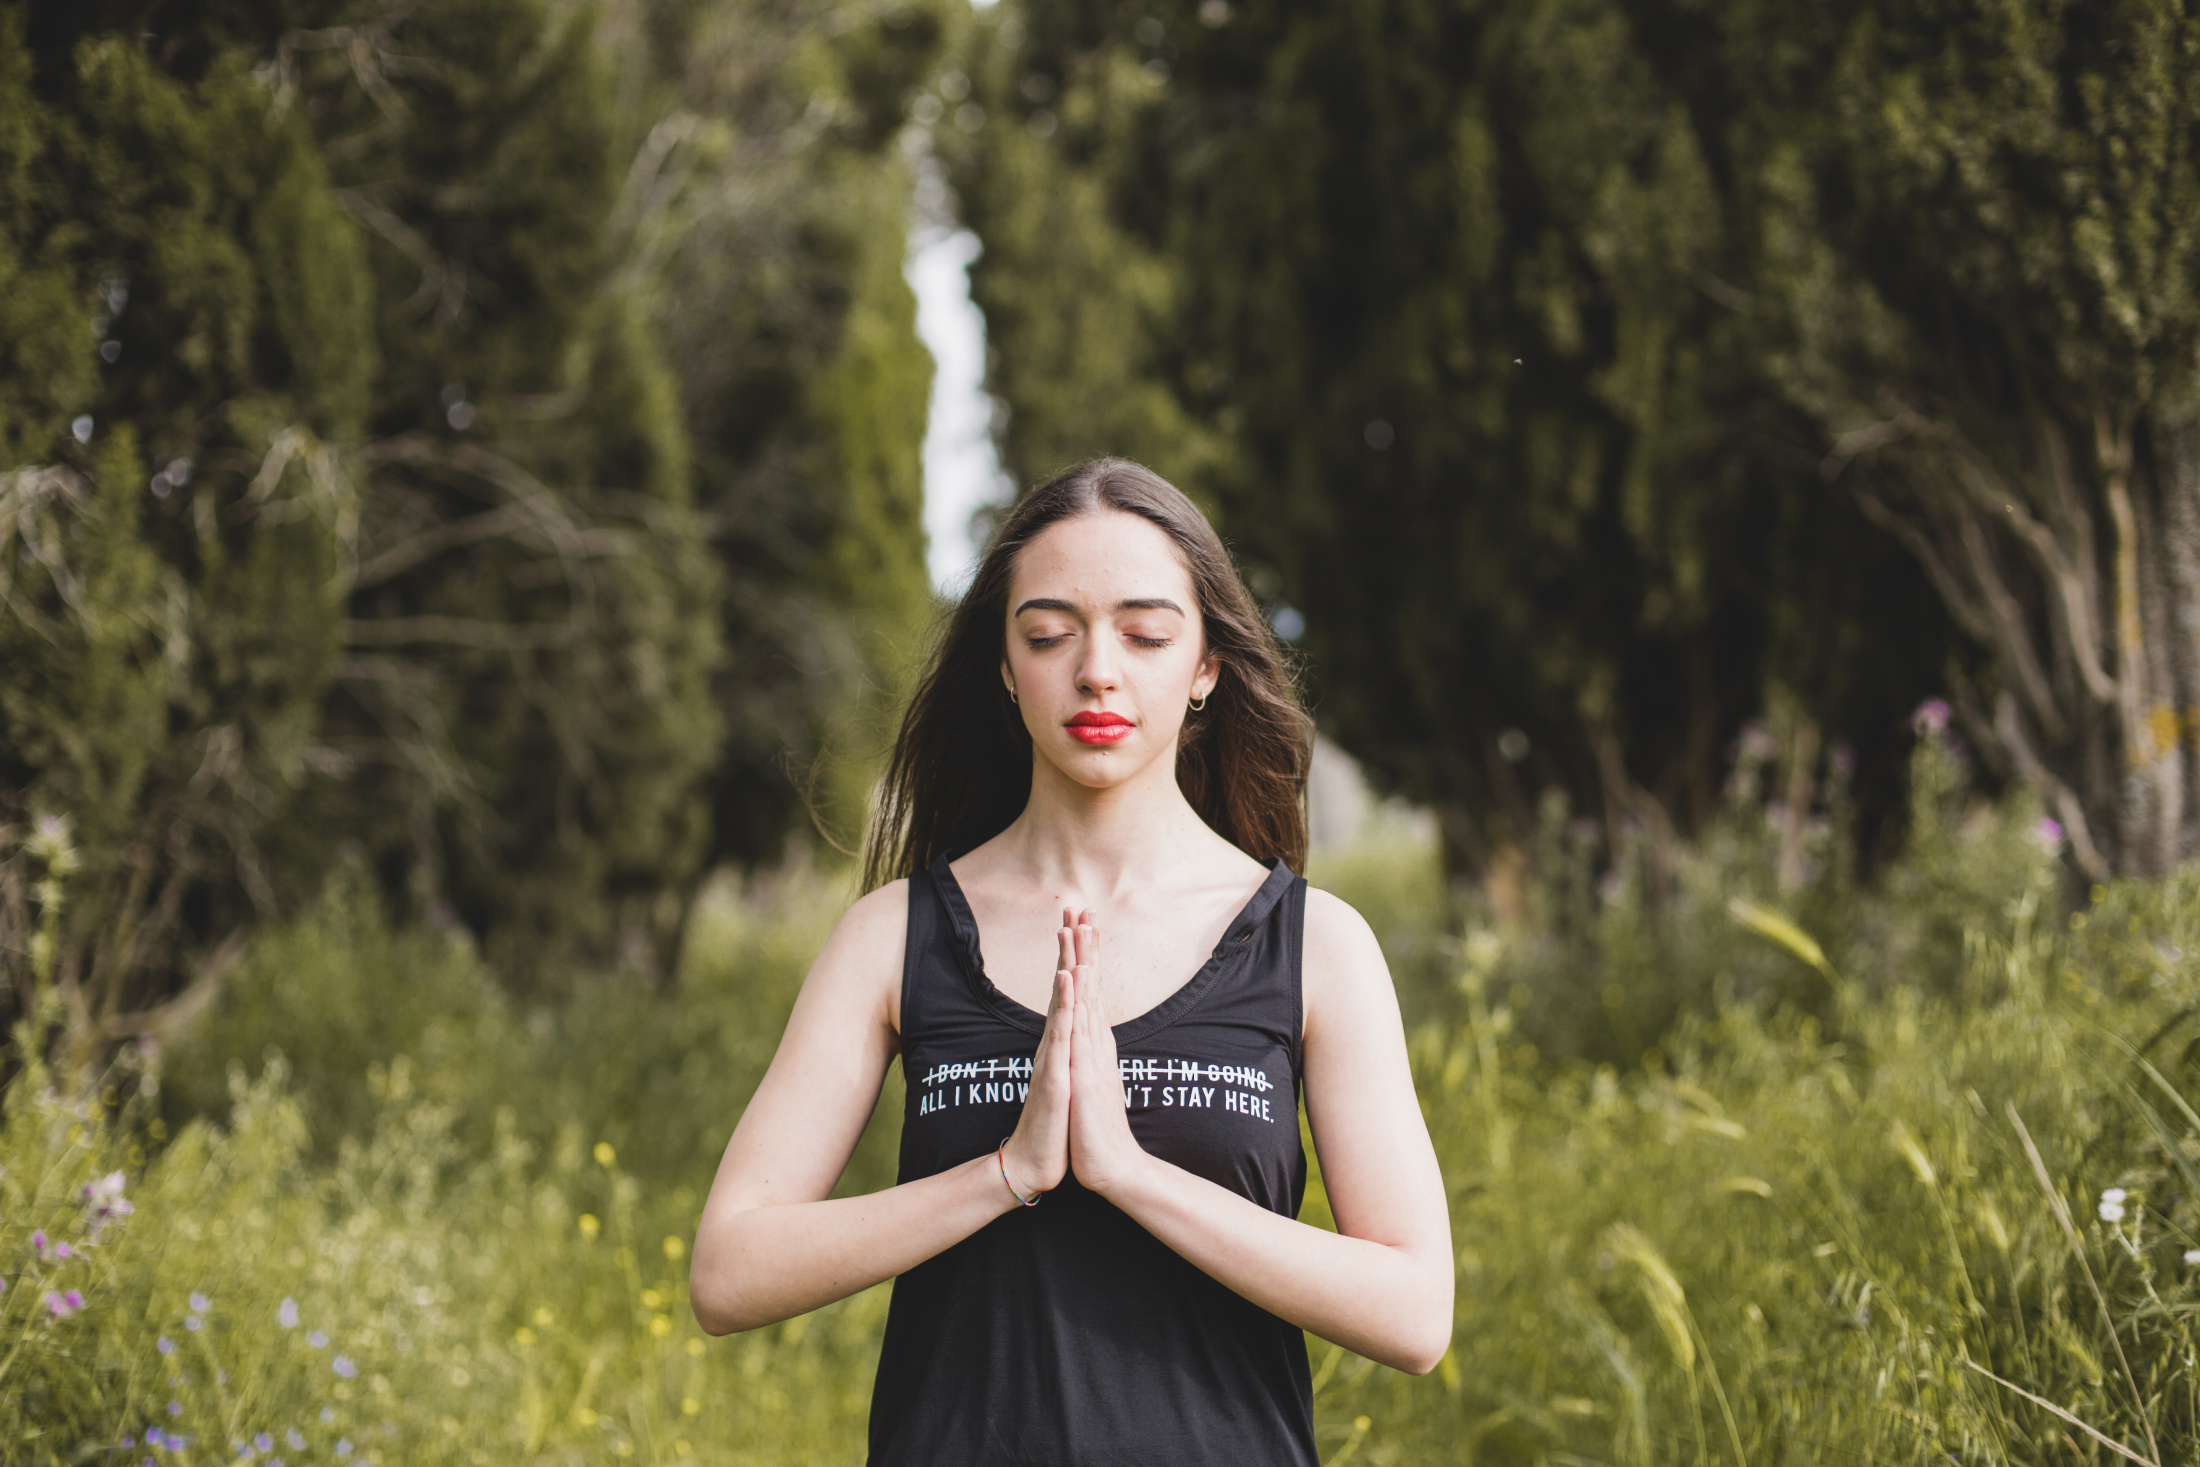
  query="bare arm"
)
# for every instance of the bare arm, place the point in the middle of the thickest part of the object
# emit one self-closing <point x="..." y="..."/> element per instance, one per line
<point x="1382" y="1284"/>
<point x="771" y="1245"/>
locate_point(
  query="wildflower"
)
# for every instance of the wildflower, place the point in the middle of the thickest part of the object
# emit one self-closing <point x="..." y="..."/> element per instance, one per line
<point x="343" y="1446"/>
<point x="297" y="1442"/>
<point x="153" y="1438"/>
<point x="175" y="1408"/>
<point x="317" y="1340"/>
<point x="1931" y="716"/>
<point x="38" y="1242"/>
<point x="199" y="1304"/>
<point x="105" y="1200"/>
<point x="328" y="1414"/>
<point x="263" y="1443"/>
<point x="165" y="1345"/>
<point x="194" y="1322"/>
<point x="342" y="1366"/>
<point x="2112" y="1205"/>
<point x="63" y="1252"/>
<point x="590" y="1226"/>
<point x="286" y="1314"/>
<point x="2192" y="1255"/>
<point x="64" y="1305"/>
<point x="2048" y="833"/>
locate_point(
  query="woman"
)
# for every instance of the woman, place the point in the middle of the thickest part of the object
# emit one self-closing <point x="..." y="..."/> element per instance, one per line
<point x="1094" y="1237"/>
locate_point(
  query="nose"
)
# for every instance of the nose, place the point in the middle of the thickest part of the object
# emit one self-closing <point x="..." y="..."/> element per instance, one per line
<point x="1098" y="673"/>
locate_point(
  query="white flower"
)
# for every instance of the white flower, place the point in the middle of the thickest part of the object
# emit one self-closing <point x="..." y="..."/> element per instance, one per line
<point x="2112" y="1205"/>
<point x="2192" y="1255"/>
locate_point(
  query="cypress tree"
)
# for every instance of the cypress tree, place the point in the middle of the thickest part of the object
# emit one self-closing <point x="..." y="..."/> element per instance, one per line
<point x="188" y="350"/>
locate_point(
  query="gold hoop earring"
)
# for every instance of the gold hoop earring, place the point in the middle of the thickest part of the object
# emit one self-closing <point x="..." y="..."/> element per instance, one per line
<point x="1199" y="705"/>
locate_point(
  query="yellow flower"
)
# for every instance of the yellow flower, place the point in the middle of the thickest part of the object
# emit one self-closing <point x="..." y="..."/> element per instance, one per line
<point x="651" y="1299"/>
<point x="589" y="1226"/>
<point x="660" y="1326"/>
<point x="689" y="1406"/>
<point x="585" y="1416"/>
<point x="695" y="1347"/>
<point x="604" y="1154"/>
<point x="675" y="1249"/>
<point x="543" y="1317"/>
<point x="524" y="1335"/>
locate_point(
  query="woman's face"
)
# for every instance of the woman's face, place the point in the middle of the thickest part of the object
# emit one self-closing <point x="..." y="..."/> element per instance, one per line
<point x="1105" y="646"/>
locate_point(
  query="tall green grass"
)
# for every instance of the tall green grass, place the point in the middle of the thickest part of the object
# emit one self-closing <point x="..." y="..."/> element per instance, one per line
<point x="1853" y="1197"/>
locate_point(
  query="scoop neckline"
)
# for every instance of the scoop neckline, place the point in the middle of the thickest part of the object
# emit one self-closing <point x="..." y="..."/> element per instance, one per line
<point x="1233" y="942"/>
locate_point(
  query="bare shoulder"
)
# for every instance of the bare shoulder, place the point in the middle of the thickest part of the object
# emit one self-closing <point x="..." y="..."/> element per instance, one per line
<point x="874" y="915"/>
<point x="1343" y="963"/>
<point x="859" y="967"/>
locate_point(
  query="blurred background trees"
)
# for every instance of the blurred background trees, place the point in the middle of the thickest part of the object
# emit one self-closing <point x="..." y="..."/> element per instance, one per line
<point x="480" y="442"/>
<point x="1592" y="377"/>
<point x="481" y="439"/>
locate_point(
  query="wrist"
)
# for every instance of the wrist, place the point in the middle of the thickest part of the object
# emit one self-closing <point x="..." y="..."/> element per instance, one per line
<point x="1017" y="1184"/>
<point x="1121" y="1176"/>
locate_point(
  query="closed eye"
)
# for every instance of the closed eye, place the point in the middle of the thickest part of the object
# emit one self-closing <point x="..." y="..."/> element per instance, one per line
<point x="1151" y="641"/>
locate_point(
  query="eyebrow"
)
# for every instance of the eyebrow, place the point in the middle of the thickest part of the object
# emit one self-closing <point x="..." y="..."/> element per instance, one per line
<point x="1135" y="603"/>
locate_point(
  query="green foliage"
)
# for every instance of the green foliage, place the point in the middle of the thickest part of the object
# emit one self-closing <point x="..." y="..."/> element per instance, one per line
<point x="1794" y="1235"/>
<point x="1611" y="372"/>
<point x="765" y="216"/>
<point x="483" y="438"/>
<point x="172" y="499"/>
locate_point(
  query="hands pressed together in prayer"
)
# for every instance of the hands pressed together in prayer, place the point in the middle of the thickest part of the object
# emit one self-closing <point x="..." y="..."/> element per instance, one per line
<point x="1074" y="1121"/>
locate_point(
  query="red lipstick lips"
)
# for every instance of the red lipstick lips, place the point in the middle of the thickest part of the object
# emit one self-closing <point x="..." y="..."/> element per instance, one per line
<point x="1099" y="728"/>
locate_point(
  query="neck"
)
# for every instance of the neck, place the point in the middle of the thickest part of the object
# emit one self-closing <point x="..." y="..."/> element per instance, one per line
<point x="1098" y="842"/>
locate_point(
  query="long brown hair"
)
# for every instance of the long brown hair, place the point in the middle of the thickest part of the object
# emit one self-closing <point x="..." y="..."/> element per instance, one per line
<point x="961" y="768"/>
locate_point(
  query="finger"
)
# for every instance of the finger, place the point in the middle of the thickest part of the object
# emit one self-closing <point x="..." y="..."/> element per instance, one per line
<point x="1065" y="949"/>
<point x="1086" y="940"/>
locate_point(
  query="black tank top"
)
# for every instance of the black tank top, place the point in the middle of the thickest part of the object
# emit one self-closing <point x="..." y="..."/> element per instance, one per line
<point x="1066" y="1335"/>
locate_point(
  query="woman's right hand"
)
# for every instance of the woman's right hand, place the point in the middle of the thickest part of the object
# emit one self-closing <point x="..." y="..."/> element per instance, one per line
<point x="1037" y="1154"/>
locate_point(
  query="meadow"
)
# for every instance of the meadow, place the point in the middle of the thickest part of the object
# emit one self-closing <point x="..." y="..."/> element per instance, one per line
<point x="1898" y="1171"/>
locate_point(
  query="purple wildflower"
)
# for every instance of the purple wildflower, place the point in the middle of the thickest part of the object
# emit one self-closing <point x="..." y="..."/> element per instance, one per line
<point x="63" y="1251"/>
<point x="194" y="1322"/>
<point x="165" y="1345"/>
<point x="263" y="1443"/>
<point x="328" y="1413"/>
<point x="2049" y="833"/>
<point x="128" y="1442"/>
<point x="297" y="1442"/>
<point x="175" y="1408"/>
<point x="64" y="1305"/>
<point x="104" y="1198"/>
<point x="1931" y="716"/>
<point x="343" y="1446"/>
<point x="199" y="1304"/>
<point x="343" y="1367"/>
<point x="38" y="1242"/>
<point x="74" y="1300"/>
<point x="154" y="1437"/>
<point x="317" y="1340"/>
<point x="286" y="1314"/>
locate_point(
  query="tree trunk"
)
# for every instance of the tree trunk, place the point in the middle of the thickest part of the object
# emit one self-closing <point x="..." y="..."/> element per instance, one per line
<point x="2078" y="568"/>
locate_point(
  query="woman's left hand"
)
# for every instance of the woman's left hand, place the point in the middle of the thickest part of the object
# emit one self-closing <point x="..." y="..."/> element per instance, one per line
<point x="1102" y="1150"/>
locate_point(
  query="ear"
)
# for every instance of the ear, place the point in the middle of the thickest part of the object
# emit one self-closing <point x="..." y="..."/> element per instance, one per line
<point x="1210" y="673"/>
<point x="1008" y="679"/>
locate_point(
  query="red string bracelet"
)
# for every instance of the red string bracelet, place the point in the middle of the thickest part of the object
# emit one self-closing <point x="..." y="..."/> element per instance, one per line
<point x="1000" y="1154"/>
